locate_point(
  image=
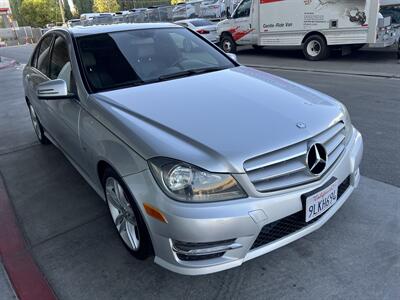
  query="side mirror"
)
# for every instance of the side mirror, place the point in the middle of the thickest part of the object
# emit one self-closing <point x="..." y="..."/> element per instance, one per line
<point x="232" y="56"/>
<point x="53" y="90"/>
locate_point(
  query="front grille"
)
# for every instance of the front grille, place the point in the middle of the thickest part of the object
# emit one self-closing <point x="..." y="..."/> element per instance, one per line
<point x="290" y="224"/>
<point x="286" y="167"/>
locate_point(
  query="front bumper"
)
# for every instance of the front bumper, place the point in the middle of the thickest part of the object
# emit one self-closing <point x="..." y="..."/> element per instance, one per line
<point x="236" y="222"/>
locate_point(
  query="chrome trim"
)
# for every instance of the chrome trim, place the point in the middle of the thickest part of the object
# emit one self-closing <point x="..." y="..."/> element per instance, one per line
<point x="207" y="251"/>
<point x="287" y="167"/>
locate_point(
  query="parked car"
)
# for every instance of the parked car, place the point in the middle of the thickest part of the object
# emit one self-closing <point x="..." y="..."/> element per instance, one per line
<point x="156" y="14"/>
<point x="203" y="162"/>
<point x="213" y="9"/>
<point x="204" y="27"/>
<point x="137" y="15"/>
<point x="185" y="10"/>
<point x="73" y="22"/>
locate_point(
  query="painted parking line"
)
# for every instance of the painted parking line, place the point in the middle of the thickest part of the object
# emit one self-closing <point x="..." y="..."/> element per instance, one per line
<point x="25" y="276"/>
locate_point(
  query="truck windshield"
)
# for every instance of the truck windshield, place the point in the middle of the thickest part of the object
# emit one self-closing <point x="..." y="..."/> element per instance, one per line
<point x="136" y="57"/>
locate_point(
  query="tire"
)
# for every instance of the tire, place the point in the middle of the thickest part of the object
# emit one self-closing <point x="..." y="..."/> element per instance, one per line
<point x="228" y="44"/>
<point x="315" y="48"/>
<point x="37" y="126"/>
<point x="126" y="216"/>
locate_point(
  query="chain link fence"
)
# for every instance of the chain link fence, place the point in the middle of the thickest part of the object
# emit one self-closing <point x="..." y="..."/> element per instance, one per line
<point x="159" y="12"/>
<point x="209" y="9"/>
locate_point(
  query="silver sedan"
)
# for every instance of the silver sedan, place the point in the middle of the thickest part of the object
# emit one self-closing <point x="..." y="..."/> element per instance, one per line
<point x="203" y="163"/>
<point x="204" y="27"/>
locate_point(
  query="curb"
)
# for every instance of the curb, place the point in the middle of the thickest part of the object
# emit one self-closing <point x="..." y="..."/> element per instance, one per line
<point x="325" y="71"/>
<point x="27" y="280"/>
<point x="8" y="63"/>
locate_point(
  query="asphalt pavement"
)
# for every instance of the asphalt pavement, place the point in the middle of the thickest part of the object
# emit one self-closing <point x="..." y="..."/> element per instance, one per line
<point x="72" y="238"/>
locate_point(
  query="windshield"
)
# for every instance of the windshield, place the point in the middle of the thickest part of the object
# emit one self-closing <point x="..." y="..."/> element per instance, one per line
<point x="129" y="58"/>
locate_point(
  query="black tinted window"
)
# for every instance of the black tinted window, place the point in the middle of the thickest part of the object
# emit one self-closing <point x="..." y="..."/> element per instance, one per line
<point x="128" y="58"/>
<point x="43" y="57"/>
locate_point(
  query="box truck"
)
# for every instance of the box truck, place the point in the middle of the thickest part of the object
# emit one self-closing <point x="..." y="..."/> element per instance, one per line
<point x="314" y="25"/>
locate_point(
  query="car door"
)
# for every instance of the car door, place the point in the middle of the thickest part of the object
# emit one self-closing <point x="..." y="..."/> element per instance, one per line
<point x="64" y="113"/>
<point x="241" y="32"/>
<point x="37" y="72"/>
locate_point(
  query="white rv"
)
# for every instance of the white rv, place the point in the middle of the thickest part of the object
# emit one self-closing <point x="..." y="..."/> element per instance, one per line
<point x="314" y="25"/>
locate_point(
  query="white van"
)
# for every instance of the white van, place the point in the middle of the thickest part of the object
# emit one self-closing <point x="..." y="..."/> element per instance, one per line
<point x="314" y="25"/>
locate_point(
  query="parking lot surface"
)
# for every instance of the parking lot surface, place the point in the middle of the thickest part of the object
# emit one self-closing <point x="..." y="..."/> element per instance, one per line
<point x="71" y="236"/>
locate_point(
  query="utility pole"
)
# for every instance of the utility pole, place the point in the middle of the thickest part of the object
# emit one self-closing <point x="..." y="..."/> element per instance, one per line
<point x="60" y="3"/>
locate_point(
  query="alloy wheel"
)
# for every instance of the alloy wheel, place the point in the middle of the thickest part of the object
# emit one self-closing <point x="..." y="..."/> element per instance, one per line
<point x="122" y="213"/>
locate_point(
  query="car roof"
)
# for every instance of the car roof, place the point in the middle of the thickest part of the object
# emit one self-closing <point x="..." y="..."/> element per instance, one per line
<point x="97" y="29"/>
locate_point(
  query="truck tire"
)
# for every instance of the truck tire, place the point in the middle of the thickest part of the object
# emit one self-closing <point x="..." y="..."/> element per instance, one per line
<point x="315" y="48"/>
<point x="228" y="44"/>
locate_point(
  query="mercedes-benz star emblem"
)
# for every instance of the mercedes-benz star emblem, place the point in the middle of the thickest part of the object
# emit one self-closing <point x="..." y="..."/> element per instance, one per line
<point x="316" y="159"/>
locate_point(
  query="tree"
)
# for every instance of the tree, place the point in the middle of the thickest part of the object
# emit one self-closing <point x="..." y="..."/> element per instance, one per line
<point x="67" y="10"/>
<point x="37" y="13"/>
<point x="15" y="5"/>
<point x="105" y="6"/>
<point x="83" y="6"/>
<point x="126" y="4"/>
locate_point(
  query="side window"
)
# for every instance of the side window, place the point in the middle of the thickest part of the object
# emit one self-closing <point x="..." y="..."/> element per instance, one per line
<point x="33" y="61"/>
<point x="243" y="10"/>
<point x="60" y="65"/>
<point x="43" y="57"/>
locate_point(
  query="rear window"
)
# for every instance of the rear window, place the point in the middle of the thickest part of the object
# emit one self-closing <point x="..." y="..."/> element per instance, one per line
<point x="199" y="23"/>
<point x="136" y="57"/>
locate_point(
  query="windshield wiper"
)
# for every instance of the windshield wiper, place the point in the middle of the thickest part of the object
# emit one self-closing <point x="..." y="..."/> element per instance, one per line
<point x="189" y="73"/>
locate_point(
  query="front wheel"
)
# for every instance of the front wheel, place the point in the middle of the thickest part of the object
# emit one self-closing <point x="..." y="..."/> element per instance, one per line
<point x="126" y="216"/>
<point x="37" y="126"/>
<point x="228" y="44"/>
<point x="315" y="48"/>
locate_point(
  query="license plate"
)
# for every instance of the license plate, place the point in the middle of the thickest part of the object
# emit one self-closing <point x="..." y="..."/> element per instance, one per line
<point x="319" y="201"/>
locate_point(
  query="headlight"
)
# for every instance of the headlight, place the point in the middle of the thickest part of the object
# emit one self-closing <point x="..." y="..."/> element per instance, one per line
<point x="184" y="182"/>
<point x="347" y="124"/>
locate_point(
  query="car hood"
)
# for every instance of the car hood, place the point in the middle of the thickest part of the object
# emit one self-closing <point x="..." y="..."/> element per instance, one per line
<point x="216" y="120"/>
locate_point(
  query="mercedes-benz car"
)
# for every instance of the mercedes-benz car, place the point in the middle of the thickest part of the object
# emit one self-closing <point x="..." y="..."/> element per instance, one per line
<point x="203" y="163"/>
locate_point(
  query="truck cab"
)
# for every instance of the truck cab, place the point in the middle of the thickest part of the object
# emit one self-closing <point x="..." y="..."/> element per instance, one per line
<point x="239" y="28"/>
